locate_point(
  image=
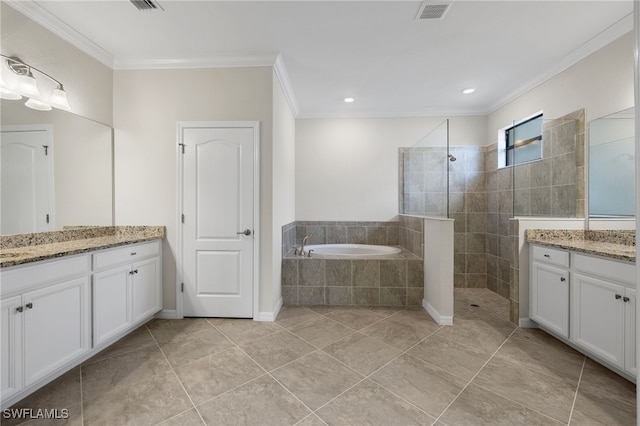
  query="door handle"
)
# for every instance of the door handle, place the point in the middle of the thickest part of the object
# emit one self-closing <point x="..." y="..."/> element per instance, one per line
<point x="246" y="232"/>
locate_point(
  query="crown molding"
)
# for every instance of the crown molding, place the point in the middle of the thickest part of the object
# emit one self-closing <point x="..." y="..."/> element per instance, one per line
<point x="608" y="35"/>
<point x="285" y="83"/>
<point x="202" y="62"/>
<point x="44" y="18"/>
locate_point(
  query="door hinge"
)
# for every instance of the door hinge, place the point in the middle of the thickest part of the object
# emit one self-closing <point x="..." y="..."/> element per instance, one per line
<point x="182" y="287"/>
<point x="182" y="217"/>
<point x="182" y="146"/>
<point x="47" y="218"/>
<point x="46" y="149"/>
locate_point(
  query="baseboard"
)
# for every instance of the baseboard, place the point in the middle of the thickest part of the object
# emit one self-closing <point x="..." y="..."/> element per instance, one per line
<point x="168" y="314"/>
<point x="440" y="319"/>
<point x="270" y="316"/>
<point x="527" y="323"/>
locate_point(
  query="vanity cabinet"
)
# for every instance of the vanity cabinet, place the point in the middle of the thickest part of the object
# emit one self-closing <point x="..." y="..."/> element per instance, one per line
<point x="45" y="321"/>
<point x="589" y="301"/>
<point x="127" y="288"/>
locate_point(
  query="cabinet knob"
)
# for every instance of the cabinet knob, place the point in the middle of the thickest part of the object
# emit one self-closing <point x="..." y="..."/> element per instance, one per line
<point x="546" y="255"/>
<point x="563" y="279"/>
<point x="618" y="296"/>
<point x="29" y="305"/>
<point x="625" y="299"/>
<point x="133" y="253"/>
<point x="20" y="308"/>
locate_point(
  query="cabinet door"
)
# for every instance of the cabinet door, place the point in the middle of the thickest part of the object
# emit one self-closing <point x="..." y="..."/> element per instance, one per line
<point x="56" y="327"/>
<point x="597" y="319"/>
<point x="111" y="303"/>
<point x="11" y="350"/>
<point x="630" y="332"/>
<point x="550" y="297"/>
<point x="146" y="289"/>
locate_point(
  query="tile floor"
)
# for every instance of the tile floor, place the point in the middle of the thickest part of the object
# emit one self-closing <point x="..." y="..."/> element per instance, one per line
<point x="342" y="366"/>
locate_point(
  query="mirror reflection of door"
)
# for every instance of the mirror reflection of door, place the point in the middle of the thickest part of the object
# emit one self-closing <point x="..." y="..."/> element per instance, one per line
<point x="26" y="180"/>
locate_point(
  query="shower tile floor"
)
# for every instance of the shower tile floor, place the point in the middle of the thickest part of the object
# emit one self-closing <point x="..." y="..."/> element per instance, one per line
<point x="341" y="366"/>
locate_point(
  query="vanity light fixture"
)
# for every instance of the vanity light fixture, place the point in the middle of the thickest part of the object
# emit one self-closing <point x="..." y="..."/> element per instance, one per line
<point x="349" y="100"/>
<point x="468" y="91"/>
<point x="19" y="81"/>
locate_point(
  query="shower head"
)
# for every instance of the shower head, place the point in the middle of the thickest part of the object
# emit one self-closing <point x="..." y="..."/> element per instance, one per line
<point x="451" y="158"/>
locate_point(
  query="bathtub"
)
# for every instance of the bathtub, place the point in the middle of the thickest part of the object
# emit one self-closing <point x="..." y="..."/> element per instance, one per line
<point x="349" y="250"/>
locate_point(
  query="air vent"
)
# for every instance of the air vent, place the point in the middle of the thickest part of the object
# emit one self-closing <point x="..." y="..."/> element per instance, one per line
<point x="146" y="5"/>
<point x="433" y="9"/>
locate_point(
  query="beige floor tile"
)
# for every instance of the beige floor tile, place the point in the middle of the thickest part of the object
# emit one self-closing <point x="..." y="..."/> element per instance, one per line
<point x="316" y="378"/>
<point x="401" y="331"/>
<point x="140" y="339"/>
<point x="536" y="335"/>
<point x="63" y="392"/>
<point x="550" y="395"/>
<point x="187" y="418"/>
<point x="453" y="357"/>
<point x="386" y="310"/>
<point x="185" y="348"/>
<point x="277" y="349"/>
<point x="71" y="416"/>
<point x="362" y="353"/>
<point x="293" y="315"/>
<point x="599" y="381"/>
<point x="424" y="385"/>
<point x="260" y="402"/>
<point x="244" y="330"/>
<point x="481" y="335"/>
<point x="311" y="420"/>
<point x="210" y="376"/>
<point x="144" y="403"/>
<point x="355" y="318"/>
<point x="479" y="407"/>
<point x="121" y="371"/>
<point x="165" y="330"/>
<point x="321" y="331"/>
<point x="593" y="409"/>
<point x="371" y="404"/>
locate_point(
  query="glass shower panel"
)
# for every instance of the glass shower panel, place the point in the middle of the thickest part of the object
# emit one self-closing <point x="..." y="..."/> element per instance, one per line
<point x="424" y="180"/>
<point x="548" y="173"/>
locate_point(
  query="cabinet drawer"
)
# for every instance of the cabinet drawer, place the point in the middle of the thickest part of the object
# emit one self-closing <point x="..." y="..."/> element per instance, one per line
<point x="605" y="268"/>
<point x="551" y="256"/>
<point x="127" y="254"/>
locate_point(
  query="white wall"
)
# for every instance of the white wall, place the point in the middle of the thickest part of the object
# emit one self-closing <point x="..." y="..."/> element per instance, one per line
<point x="347" y="168"/>
<point x="88" y="83"/>
<point x="147" y="106"/>
<point x="602" y="83"/>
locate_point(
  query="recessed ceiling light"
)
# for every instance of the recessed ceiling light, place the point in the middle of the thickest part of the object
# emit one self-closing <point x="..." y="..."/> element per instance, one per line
<point x="349" y="100"/>
<point x="468" y="91"/>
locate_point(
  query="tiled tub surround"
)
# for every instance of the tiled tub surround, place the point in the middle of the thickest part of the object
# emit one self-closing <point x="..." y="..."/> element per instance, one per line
<point x="618" y="245"/>
<point x="389" y="280"/>
<point x="20" y="249"/>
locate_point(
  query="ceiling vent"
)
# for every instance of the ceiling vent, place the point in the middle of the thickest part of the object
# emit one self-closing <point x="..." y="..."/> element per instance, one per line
<point x="146" y="5"/>
<point x="433" y="9"/>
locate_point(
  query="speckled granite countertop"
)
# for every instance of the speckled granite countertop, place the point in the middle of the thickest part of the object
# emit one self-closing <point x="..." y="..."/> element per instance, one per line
<point x="27" y="248"/>
<point x="620" y="245"/>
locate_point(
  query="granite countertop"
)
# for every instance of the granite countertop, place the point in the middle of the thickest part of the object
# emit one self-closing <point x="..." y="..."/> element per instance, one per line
<point x="21" y="249"/>
<point x="620" y="245"/>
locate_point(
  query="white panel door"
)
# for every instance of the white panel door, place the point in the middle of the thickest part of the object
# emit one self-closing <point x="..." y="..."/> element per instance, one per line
<point x="146" y="294"/>
<point x="26" y="182"/>
<point x="11" y="349"/>
<point x="110" y="309"/>
<point x="630" y="364"/>
<point x="218" y="193"/>
<point x="549" y="297"/>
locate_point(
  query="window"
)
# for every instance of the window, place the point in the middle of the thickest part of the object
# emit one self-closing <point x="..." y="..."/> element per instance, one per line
<point x="522" y="142"/>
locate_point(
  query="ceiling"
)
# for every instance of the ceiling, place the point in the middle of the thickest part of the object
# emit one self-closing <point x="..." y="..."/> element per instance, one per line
<point x="374" y="51"/>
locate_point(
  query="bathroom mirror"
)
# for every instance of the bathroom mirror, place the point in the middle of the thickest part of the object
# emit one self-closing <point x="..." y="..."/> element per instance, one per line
<point x="612" y="165"/>
<point x="71" y="181"/>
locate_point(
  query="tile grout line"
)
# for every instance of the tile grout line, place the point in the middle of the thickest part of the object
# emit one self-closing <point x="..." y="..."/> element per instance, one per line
<point x="575" y="397"/>
<point x="177" y="378"/>
<point x="475" y="375"/>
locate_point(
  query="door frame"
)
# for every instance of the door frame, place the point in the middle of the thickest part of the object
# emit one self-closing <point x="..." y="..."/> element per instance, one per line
<point x="180" y="127"/>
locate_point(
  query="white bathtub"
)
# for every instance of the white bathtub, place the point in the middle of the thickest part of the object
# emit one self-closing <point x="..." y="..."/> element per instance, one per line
<point x="347" y="250"/>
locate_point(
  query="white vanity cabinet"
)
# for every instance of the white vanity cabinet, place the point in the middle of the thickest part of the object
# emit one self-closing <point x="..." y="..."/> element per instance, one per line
<point x="45" y="320"/>
<point x="587" y="300"/>
<point x="127" y="288"/>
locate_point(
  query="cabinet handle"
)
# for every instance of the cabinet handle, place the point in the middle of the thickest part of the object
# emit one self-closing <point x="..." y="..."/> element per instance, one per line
<point x="563" y="279"/>
<point x="29" y="305"/>
<point x="20" y="309"/>
<point x="135" y="271"/>
<point x="546" y="255"/>
<point x="618" y="296"/>
<point x="625" y="299"/>
<point x="133" y="253"/>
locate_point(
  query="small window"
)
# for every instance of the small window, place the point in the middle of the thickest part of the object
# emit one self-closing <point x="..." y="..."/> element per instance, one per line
<point x="522" y="142"/>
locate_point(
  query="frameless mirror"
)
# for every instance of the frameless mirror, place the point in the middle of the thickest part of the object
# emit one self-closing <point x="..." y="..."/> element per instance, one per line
<point x="56" y="171"/>
<point x="612" y="165"/>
